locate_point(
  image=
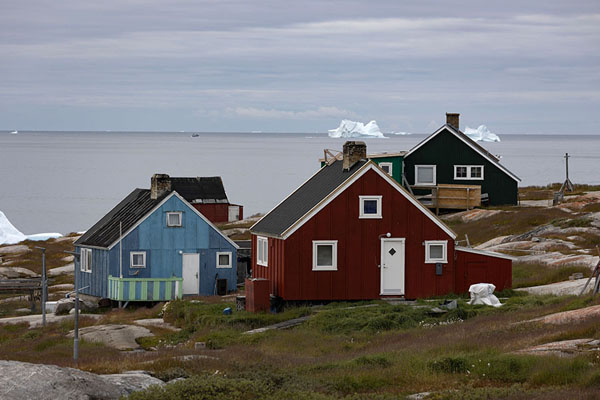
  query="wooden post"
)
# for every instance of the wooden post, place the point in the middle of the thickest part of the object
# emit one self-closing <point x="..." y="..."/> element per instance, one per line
<point x="437" y="201"/>
<point x="567" y="186"/>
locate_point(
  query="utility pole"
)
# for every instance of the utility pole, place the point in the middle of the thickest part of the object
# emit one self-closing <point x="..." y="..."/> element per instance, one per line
<point x="44" y="285"/>
<point x="567" y="186"/>
<point x="76" y="260"/>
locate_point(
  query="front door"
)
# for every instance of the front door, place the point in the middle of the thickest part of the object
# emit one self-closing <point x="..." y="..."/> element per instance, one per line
<point x="191" y="273"/>
<point x="392" y="266"/>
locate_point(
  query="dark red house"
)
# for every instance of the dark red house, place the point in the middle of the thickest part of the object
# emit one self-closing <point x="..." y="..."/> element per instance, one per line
<point x="352" y="232"/>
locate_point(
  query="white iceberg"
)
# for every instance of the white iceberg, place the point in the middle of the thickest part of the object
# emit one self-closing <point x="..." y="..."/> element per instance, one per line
<point x="352" y="129"/>
<point x="481" y="134"/>
<point x="11" y="235"/>
<point x="400" y="133"/>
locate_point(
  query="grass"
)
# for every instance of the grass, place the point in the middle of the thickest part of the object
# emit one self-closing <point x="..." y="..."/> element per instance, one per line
<point x="526" y="274"/>
<point x="547" y="192"/>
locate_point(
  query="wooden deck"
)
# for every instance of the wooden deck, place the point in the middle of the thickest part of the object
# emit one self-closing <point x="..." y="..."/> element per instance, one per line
<point x="446" y="196"/>
<point x="32" y="287"/>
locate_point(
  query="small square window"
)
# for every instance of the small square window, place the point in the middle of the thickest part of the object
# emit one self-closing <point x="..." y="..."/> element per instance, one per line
<point x="386" y="167"/>
<point x="461" y="172"/>
<point x="324" y="255"/>
<point x="370" y="206"/>
<point x="174" y="218"/>
<point x="223" y="259"/>
<point x="466" y="172"/>
<point x="138" y="259"/>
<point x="476" y="172"/>
<point x="436" y="251"/>
<point x="425" y="175"/>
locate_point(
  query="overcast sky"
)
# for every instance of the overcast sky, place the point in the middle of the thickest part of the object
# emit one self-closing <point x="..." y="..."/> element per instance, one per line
<point x="226" y="65"/>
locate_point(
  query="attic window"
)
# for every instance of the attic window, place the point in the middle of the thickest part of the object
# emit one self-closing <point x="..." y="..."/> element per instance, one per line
<point x="425" y="174"/>
<point x="465" y="172"/>
<point x="436" y="251"/>
<point x="223" y="259"/>
<point x="386" y="167"/>
<point x="85" y="260"/>
<point x="174" y="218"/>
<point x="324" y="255"/>
<point x="262" y="251"/>
<point x="370" y="206"/>
<point x="138" y="259"/>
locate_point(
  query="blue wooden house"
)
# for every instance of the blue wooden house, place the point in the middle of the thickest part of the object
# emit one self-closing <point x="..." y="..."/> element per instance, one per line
<point x="155" y="246"/>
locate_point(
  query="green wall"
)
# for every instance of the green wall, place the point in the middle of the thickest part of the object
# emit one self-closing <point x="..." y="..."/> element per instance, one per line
<point x="446" y="150"/>
<point x="396" y="161"/>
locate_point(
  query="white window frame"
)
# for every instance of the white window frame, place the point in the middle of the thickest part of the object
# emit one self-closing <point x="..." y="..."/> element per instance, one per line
<point x="262" y="242"/>
<point x="332" y="267"/>
<point x="417" y="183"/>
<point x="469" y="173"/>
<point x="137" y="253"/>
<point x="85" y="260"/>
<point x="180" y="214"/>
<point x="429" y="259"/>
<point x="361" y="207"/>
<point x="224" y="253"/>
<point x="389" y="165"/>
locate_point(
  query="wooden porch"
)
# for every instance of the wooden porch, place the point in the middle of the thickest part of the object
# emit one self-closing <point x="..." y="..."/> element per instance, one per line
<point x="447" y="196"/>
<point x="145" y="289"/>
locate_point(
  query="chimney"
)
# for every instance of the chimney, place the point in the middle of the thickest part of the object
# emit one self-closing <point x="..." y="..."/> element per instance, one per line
<point x="354" y="151"/>
<point x="452" y="120"/>
<point x="159" y="185"/>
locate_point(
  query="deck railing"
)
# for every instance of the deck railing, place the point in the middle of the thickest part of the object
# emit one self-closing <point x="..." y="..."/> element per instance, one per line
<point x="144" y="289"/>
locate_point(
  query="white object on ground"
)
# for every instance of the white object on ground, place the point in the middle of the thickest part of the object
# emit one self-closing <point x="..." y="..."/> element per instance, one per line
<point x="350" y="129"/>
<point x="481" y="134"/>
<point x="482" y="293"/>
<point x="8" y="233"/>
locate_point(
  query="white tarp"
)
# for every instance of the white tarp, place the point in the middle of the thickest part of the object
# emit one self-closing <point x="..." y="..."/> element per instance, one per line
<point x="483" y="293"/>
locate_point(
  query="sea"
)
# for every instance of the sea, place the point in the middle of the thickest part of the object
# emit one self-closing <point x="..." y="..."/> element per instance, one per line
<point x="66" y="181"/>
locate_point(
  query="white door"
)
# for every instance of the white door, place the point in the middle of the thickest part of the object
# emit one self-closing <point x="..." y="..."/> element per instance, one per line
<point x="392" y="266"/>
<point x="234" y="213"/>
<point x="191" y="273"/>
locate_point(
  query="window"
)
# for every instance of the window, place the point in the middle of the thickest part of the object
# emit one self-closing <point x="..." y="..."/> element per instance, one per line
<point x="435" y="251"/>
<point x="468" y="172"/>
<point x="386" y="167"/>
<point x="174" y="218"/>
<point x="262" y="251"/>
<point x="324" y="255"/>
<point x="138" y="259"/>
<point x="223" y="259"/>
<point x="370" y="206"/>
<point x="425" y="175"/>
<point x="85" y="260"/>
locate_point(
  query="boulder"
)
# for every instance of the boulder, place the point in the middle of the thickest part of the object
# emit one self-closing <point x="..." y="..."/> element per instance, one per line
<point x="21" y="381"/>
<point x="121" y="337"/>
<point x="64" y="306"/>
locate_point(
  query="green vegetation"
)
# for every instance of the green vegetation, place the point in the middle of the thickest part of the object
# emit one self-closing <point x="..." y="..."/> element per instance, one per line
<point x="525" y="275"/>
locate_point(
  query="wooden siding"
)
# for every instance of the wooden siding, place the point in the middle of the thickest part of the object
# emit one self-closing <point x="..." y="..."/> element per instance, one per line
<point x="397" y="164"/>
<point x="358" y="250"/>
<point x="445" y="150"/>
<point x="132" y="289"/>
<point x="215" y="213"/>
<point x="163" y="246"/>
<point x="479" y="268"/>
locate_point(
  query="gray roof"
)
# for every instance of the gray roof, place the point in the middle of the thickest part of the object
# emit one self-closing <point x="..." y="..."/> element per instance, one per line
<point x="129" y="211"/>
<point x="301" y="201"/>
<point x="200" y="189"/>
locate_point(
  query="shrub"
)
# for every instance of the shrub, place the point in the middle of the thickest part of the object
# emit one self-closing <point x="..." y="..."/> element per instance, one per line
<point x="450" y="365"/>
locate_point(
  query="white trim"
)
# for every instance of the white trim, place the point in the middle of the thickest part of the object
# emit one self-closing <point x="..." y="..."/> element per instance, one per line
<point x="426" y="166"/>
<point x="87" y="265"/>
<point x="428" y="244"/>
<point x="382" y="257"/>
<point x="224" y="253"/>
<point x="467" y="141"/>
<point x="361" y="207"/>
<point x="387" y="164"/>
<point x="469" y="176"/>
<point x="333" y="244"/>
<point x="263" y="242"/>
<point x="178" y="213"/>
<point x="174" y="193"/>
<point x="137" y="253"/>
<point x="485" y="253"/>
<point x="340" y="189"/>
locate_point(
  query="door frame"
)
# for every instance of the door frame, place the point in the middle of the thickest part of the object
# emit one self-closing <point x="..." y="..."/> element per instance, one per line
<point x="197" y="275"/>
<point x="402" y="290"/>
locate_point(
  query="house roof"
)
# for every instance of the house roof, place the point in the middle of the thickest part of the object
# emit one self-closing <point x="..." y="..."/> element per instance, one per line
<point x="318" y="191"/>
<point x="129" y="211"/>
<point x="200" y="189"/>
<point x="303" y="199"/>
<point x="469" y="142"/>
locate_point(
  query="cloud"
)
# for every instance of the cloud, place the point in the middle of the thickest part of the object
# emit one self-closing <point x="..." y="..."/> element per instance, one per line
<point x="321" y="112"/>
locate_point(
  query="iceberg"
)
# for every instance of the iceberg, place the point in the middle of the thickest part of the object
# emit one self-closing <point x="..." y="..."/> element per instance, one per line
<point x="399" y="133"/>
<point x="11" y="235"/>
<point x="481" y="134"/>
<point x="352" y="129"/>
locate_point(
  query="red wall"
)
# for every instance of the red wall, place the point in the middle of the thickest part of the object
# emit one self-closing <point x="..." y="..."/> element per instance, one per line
<point x="214" y="212"/>
<point x="478" y="268"/>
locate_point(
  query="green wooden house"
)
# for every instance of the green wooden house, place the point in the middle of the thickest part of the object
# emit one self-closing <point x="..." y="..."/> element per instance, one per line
<point x="391" y="163"/>
<point x="448" y="156"/>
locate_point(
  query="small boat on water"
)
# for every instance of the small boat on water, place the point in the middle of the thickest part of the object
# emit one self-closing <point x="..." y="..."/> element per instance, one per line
<point x="14" y="132"/>
<point x="195" y="134"/>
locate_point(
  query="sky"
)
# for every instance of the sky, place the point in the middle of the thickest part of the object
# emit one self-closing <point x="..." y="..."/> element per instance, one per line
<point x="282" y="66"/>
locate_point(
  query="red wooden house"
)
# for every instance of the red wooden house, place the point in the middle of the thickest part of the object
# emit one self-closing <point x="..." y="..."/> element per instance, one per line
<point x="352" y="232"/>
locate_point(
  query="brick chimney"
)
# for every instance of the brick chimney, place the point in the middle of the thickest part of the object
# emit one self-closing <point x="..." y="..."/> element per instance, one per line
<point x="452" y="120"/>
<point x="354" y="151"/>
<point x="159" y="185"/>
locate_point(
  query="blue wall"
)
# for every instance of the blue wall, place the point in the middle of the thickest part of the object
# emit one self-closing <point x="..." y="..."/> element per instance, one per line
<point x="162" y="245"/>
